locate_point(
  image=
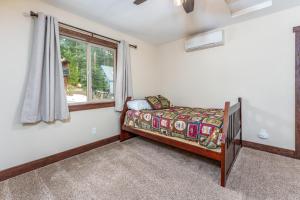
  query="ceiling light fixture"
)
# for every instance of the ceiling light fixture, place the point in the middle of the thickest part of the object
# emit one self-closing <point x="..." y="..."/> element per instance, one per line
<point x="251" y="9"/>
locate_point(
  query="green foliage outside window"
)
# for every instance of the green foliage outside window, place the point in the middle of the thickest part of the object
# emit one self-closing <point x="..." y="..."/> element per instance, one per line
<point x="76" y="53"/>
<point x="100" y="57"/>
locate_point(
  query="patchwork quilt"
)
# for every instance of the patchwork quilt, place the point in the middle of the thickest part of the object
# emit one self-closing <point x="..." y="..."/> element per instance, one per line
<point x="203" y="126"/>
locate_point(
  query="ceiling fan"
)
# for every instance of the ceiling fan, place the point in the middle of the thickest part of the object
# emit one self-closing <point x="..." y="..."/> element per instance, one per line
<point x="188" y="5"/>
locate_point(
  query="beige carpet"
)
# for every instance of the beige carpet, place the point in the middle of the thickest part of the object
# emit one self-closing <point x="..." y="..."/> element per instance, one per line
<point x="140" y="169"/>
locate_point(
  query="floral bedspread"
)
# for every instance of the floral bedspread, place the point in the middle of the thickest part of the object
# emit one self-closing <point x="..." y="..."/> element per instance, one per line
<point x="203" y="126"/>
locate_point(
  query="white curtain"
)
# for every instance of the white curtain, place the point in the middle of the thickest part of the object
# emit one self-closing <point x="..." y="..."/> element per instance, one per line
<point x="45" y="98"/>
<point x="124" y="77"/>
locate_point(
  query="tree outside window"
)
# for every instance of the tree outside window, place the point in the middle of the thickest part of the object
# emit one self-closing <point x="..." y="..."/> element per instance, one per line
<point x="90" y="71"/>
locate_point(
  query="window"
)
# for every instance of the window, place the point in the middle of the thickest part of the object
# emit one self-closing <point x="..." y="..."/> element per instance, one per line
<point x="89" y="66"/>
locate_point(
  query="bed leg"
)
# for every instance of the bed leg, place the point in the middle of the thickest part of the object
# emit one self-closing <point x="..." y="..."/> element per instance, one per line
<point x="125" y="136"/>
<point x="223" y="166"/>
<point x="223" y="174"/>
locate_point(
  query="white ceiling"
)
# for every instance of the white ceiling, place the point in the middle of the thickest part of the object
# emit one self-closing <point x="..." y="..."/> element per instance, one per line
<point x="160" y="21"/>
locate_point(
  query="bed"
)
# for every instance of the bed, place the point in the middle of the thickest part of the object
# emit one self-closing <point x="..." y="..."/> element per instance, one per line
<point x="211" y="133"/>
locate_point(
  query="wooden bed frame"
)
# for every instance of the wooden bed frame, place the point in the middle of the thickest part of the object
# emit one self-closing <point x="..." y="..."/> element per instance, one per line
<point x="230" y="146"/>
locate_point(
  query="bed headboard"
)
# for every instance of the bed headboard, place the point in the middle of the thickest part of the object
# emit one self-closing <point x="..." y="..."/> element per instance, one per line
<point x="123" y="113"/>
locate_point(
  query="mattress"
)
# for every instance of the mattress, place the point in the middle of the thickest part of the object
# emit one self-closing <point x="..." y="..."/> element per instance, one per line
<point x="198" y="126"/>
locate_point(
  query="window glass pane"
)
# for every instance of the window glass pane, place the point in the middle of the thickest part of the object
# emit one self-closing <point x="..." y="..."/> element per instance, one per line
<point x="102" y="68"/>
<point x="74" y="56"/>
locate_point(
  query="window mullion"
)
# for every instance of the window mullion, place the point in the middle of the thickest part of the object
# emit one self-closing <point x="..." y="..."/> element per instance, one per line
<point x="89" y="73"/>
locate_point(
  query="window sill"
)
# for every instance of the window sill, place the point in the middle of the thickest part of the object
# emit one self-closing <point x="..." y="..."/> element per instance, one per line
<point x="90" y="106"/>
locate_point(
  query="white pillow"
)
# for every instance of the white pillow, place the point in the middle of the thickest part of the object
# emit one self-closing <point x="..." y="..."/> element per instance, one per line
<point x="138" y="105"/>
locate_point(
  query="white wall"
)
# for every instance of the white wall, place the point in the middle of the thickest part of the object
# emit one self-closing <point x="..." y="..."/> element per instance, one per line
<point x="20" y="144"/>
<point x="256" y="63"/>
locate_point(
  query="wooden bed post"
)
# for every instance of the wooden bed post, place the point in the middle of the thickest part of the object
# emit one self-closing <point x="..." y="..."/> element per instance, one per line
<point x="232" y="141"/>
<point x="241" y="127"/>
<point x="223" y="145"/>
<point x="124" y="135"/>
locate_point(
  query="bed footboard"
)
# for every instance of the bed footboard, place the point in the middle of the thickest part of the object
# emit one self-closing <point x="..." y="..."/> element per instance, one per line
<point x="232" y="141"/>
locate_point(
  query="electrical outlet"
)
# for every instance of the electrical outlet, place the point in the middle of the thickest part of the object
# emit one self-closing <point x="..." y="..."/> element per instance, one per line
<point x="94" y="131"/>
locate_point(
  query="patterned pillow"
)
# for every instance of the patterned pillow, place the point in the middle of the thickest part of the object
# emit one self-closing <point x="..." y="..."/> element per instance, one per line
<point x="165" y="103"/>
<point x="154" y="102"/>
<point x="158" y="102"/>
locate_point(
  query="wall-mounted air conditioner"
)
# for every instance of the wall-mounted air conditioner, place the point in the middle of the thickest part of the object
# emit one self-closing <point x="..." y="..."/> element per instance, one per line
<point x="205" y="40"/>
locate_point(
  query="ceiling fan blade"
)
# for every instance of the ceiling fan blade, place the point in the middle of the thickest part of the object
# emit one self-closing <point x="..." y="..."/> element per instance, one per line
<point x="138" y="2"/>
<point x="188" y="5"/>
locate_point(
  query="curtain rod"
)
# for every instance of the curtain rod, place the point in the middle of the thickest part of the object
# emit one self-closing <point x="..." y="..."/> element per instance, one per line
<point x="34" y="14"/>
